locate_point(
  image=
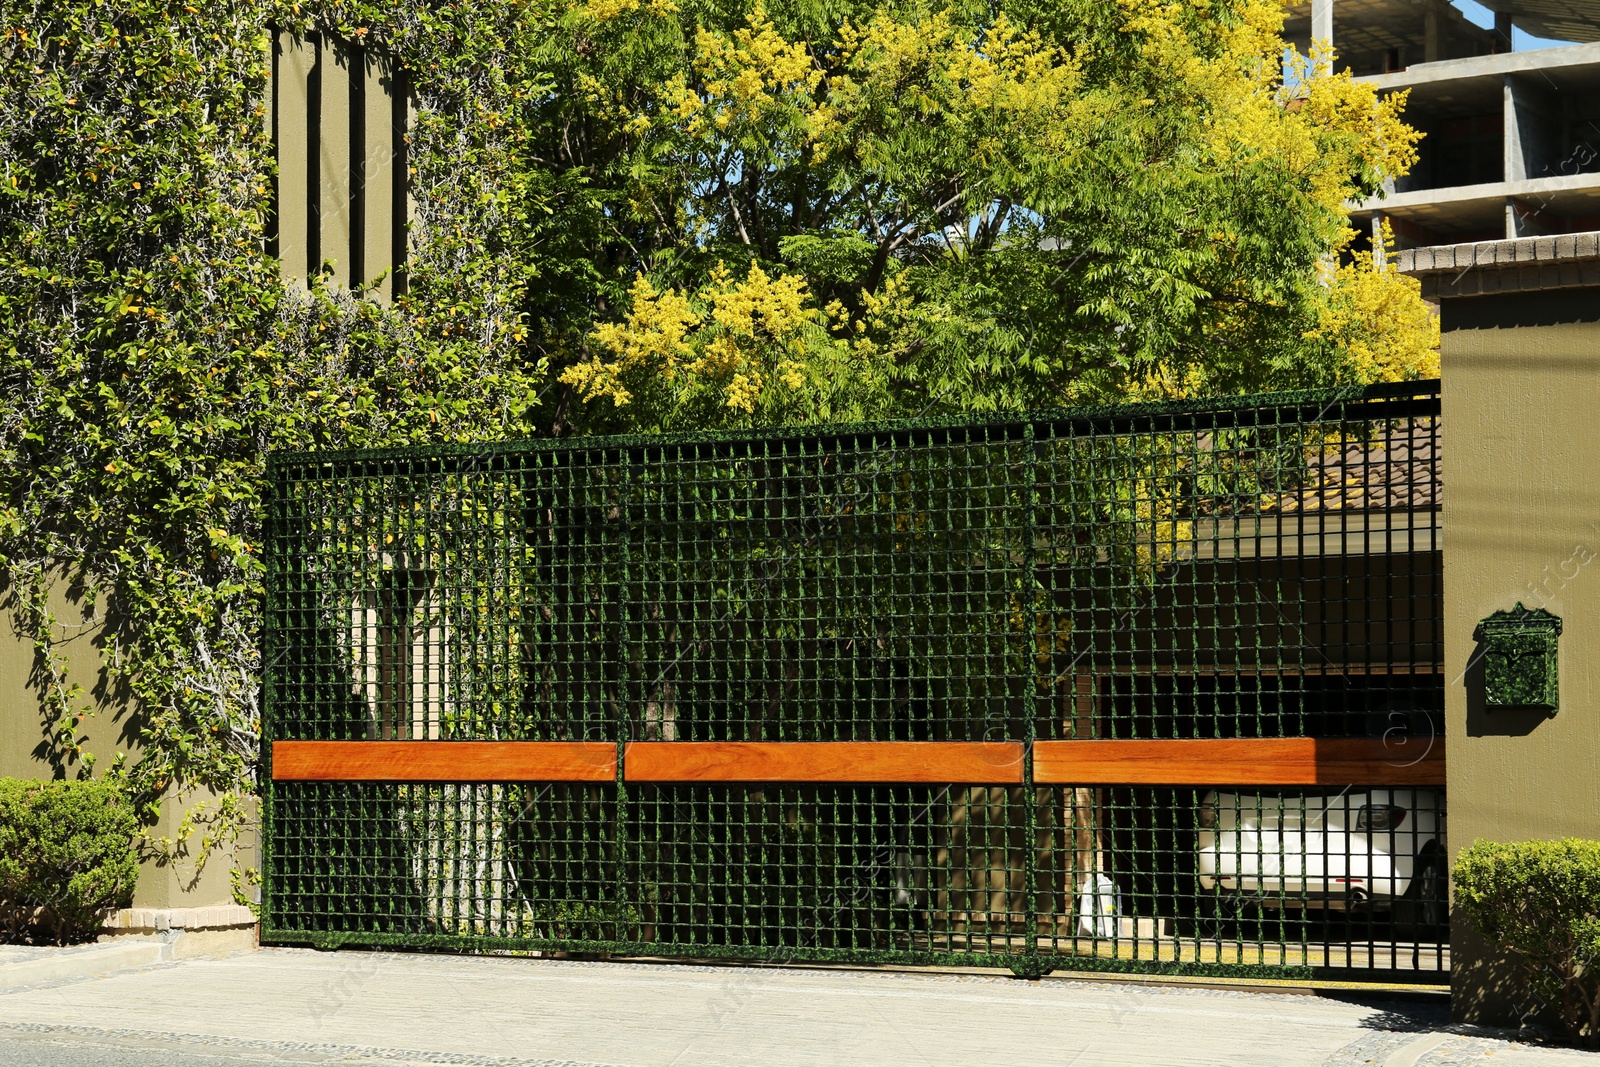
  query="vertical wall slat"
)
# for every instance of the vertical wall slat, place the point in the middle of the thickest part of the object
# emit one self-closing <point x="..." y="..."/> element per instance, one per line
<point x="402" y="204"/>
<point x="294" y="134"/>
<point x="333" y="157"/>
<point x="355" y="271"/>
<point x="378" y="173"/>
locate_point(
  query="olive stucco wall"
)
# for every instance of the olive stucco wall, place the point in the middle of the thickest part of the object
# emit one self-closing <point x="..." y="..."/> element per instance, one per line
<point x="111" y="727"/>
<point x="1521" y="524"/>
<point x="24" y="752"/>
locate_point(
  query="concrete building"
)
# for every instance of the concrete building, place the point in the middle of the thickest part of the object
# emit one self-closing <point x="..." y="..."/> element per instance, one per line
<point x="1512" y="145"/>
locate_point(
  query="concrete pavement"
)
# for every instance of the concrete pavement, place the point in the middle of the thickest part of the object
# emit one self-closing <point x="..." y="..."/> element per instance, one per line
<point x="290" y="1006"/>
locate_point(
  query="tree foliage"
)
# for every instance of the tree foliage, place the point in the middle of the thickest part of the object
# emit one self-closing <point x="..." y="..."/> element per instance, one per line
<point x="630" y="214"/>
<point x="812" y="215"/>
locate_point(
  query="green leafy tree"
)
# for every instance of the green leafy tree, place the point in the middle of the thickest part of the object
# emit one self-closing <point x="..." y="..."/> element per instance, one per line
<point x="803" y="215"/>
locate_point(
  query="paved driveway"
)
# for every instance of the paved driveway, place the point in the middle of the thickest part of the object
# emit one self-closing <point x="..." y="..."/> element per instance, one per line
<point x="286" y="1006"/>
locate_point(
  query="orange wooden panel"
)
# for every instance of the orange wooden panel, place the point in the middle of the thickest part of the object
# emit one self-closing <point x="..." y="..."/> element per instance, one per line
<point x="444" y="761"/>
<point x="997" y="763"/>
<point x="1266" y="761"/>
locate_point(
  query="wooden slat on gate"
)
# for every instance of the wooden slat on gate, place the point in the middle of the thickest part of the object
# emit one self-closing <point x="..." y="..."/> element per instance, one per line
<point x="1284" y="761"/>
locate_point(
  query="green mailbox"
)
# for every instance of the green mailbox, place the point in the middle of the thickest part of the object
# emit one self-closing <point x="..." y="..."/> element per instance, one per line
<point x="1519" y="659"/>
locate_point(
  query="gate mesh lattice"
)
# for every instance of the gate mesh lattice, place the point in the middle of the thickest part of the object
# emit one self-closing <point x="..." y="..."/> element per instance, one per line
<point x="1254" y="569"/>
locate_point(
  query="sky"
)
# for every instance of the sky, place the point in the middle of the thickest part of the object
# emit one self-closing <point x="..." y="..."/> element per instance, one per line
<point x="1520" y="41"/>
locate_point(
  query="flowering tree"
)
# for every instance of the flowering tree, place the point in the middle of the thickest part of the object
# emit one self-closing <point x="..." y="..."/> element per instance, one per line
<point x="930" y="207"/>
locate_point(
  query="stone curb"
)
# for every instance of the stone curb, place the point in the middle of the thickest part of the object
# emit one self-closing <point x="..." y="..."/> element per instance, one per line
<point x="83" y="961"/>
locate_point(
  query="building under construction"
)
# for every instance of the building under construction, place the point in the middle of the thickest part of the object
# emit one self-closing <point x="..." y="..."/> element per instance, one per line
<point x="1512" y="139"/>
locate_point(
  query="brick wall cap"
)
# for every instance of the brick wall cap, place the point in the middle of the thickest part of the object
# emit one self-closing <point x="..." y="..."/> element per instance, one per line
<point x="1502" y="266"/>
<point x="216" y="917"/>
<point x="1523" y="250"/>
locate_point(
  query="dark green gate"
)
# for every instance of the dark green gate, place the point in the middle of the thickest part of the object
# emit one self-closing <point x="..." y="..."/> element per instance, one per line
<point x="1150" y="688"/>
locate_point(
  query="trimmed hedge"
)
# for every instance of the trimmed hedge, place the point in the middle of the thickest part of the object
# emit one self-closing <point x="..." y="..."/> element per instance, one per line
<point x="1540" y="900"/>
<point x="66" y="858"/>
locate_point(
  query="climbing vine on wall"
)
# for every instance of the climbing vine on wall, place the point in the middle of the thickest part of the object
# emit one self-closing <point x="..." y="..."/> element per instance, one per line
<point x="150" y="357"/>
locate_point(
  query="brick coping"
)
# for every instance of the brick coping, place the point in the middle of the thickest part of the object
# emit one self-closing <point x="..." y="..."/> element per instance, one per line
<point x="1526" y="264"/>
<point x="216" y="917"/>
<point x="1566" y="247"/>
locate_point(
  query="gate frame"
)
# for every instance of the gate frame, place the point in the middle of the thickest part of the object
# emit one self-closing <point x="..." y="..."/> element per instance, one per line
<point x="1282" y="761"/>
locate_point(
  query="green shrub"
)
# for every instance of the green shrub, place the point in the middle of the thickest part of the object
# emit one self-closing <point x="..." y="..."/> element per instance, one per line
<point x="66" y="857"/>
<point x="1540" y="900"/>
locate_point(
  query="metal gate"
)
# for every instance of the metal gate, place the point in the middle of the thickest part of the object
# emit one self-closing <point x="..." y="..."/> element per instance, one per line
<point x="1151" y="688"/>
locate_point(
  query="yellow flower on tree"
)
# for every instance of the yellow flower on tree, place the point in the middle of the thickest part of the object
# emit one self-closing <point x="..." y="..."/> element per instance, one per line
<point x="751" y="346"/>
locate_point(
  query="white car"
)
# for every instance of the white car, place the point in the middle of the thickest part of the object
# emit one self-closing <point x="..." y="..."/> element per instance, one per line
<point x="1364" y="847"/>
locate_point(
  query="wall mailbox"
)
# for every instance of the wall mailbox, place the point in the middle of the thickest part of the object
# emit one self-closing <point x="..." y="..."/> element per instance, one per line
<point x="1519" y="658"/>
